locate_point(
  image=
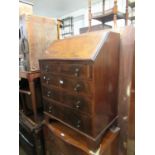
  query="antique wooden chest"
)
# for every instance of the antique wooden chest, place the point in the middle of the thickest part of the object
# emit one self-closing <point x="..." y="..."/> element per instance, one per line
<point x="35" y="35"/>
<point x="79" y="77"/>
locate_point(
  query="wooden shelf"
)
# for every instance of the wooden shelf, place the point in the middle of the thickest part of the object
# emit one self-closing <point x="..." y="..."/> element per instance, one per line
<point x="108" y="16"/>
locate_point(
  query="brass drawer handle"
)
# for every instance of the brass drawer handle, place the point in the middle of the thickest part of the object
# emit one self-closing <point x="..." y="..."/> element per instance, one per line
<point x="47" y="79"/>
<point x="46" y="68"/>
<point x="78" y="125"/>
<point x="49" y="93"/>
<point x="77" y="87"/>
<point x="77" y="70"/>
<point x="77" y="104"/>
<point x="44" y="77"/>
<point x="50" y="109"/>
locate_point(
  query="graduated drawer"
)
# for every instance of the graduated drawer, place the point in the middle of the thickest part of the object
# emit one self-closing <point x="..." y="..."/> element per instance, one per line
<point x="68" y="69"/>
<point x="68" y="116"/>
<point x="76" y="102"/>
<point x="73" y="85"/>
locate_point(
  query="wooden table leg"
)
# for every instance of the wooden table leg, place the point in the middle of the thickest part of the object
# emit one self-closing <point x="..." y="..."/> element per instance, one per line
<point x="33" y="98"/>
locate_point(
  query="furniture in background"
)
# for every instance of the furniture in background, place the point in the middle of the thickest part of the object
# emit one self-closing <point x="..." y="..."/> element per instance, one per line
<point x="30" y="94"/>
<point x="67" y="27"/>
<point x="30" y="136"/>
<point x="30" y="113"/>
<point x="111" y="14"/>
<point x="35" y="35"/>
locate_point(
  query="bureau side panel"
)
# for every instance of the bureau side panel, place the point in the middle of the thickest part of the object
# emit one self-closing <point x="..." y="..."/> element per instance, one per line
<point x="106" y="70"/>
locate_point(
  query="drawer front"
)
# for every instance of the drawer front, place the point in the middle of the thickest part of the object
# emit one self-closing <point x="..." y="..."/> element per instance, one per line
<point x="76" y="86"/>
<point x="76" y="102"/>
<point x="69" y="116"/>
<point x="51" y="93"/>
<point x="48" y="79"/>
<point x="69" y="69"/>
<point x="75" y="70"/>
<point x="49" y="66"/>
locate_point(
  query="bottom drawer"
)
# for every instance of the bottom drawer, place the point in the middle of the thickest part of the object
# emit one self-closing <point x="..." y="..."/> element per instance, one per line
<point x="69" y="116"/>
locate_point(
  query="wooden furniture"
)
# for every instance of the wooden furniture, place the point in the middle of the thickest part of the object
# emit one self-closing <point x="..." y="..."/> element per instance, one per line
<point x="94" y="28"/>
<point x="30" y="94"/>
<point x="59" y="139"/>
<point x="30" y="136"/>
<point x="79" y="78"/>
<point x="126" y="89"/>
<point x="67" y="27"/>
<point x="111" y="14"/>
<point x="35" y="35"/>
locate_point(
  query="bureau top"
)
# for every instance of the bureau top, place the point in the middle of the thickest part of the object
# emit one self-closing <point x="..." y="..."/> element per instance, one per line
<point x="81" y="47"/>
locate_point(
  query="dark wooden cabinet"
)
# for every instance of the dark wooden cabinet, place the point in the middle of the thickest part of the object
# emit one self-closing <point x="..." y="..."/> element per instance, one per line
<point x="31" y="136"/>
<point x="79" y="78"/>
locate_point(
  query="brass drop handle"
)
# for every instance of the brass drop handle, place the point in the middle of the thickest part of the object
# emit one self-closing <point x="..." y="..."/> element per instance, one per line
<point x="78" y="125"/>
<point x="46" y="68"/>
<point x="77" y="87"/>
<point x="50" y="109"/>
<point x="47" y="80"/>
<point x="77" y="104"/>
<point x="44" y="77"/>
<point x="49" y="93"/>
<point x="76" y="71"/>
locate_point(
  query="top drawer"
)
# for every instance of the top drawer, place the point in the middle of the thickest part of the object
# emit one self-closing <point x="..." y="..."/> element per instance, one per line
<point x="68" y="69"/>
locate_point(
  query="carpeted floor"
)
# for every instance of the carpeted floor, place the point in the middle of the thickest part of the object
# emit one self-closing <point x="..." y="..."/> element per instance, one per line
<point x="21" y="151"/>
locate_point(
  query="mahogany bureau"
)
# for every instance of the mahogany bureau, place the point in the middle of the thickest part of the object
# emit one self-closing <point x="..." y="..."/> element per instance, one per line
<point x="79" y="77"/>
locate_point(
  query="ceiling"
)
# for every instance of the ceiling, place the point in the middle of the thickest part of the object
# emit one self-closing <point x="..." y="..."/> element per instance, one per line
<point x="57" y="8"/>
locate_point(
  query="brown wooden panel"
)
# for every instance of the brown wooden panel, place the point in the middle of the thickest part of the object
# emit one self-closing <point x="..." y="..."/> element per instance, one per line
<point x="125" y="80"/>
<point x="106" y="69"/>
<point x="87" y="46"/>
